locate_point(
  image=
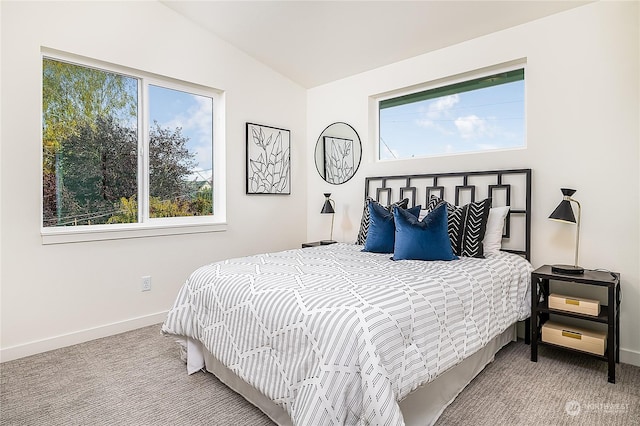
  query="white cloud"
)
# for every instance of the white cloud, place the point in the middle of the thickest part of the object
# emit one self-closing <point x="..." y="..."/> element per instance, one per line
<point x="196" y="118"/>
<point x="472" y="126"/>
<point x="200" y="116"/>
<point x="196" y="124"/>
<point x="443" y="105"/>
<point x="438" y="110"/>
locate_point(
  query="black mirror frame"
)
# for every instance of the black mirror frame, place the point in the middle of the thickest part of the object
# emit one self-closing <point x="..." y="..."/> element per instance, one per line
<point x="320" y="146"/>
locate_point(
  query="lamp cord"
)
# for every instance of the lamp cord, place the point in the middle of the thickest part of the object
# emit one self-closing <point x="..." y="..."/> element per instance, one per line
<point x="614" y="277"/>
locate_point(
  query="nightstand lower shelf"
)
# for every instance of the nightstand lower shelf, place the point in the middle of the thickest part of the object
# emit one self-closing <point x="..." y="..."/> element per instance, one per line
<point x="604" y="357"/>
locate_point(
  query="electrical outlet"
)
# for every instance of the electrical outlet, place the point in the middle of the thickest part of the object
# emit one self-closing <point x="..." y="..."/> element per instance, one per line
<point x="146" y="283"/>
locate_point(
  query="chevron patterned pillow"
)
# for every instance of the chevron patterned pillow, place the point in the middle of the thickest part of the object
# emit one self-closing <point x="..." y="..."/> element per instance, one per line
<point x="364" y="222"/>
<point x="466" y="225"/>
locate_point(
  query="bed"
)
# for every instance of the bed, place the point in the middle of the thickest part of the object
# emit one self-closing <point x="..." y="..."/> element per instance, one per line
<point x="337" y="335"/>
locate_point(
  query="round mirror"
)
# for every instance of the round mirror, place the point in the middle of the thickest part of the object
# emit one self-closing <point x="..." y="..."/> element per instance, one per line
<point x="338" y="153"/>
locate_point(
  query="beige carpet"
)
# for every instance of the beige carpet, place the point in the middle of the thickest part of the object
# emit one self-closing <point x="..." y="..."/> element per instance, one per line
<point x="562" y="388"/>
<point x="137" y="378"/>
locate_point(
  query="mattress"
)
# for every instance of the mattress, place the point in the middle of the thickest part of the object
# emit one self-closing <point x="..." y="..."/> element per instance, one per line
<point x="332" y="335"/>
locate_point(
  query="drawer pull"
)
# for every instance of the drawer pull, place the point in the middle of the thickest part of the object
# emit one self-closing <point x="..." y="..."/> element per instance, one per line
<point x="572" y="334"/>
<point x="572" y="302"/>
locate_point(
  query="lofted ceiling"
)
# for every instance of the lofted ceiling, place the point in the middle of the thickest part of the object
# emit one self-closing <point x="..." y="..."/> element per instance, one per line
<point x="316" y="42"/>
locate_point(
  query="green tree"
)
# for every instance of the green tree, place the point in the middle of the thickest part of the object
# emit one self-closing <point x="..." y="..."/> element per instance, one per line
<point x="170" y="163"/>
<point x="127" y="211"/>
<point x="167" y="208"/>
<point x="74" y="95"/>
<point x="202" y="204"/>
<point x="73" y="98"/>
<point x="99" y="167"/>
<point x="90" y="152"/>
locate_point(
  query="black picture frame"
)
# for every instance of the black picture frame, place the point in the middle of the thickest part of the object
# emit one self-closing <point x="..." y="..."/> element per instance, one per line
<point x="268" y="169"/>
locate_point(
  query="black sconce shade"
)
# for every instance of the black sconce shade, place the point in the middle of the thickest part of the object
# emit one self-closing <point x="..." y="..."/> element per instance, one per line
<point x="564" y="211"/>
<point x="327" y="207"/>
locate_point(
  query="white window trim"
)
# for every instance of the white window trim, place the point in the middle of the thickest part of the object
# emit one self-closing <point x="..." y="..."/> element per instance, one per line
<point x="89" y="233"/>
<point x="149" y="227"/>
<point x="434" y="84"/>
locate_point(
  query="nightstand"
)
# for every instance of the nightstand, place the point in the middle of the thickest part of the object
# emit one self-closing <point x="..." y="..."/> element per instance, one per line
<point x="317" y="243"/>
<point x="609" y="315"/>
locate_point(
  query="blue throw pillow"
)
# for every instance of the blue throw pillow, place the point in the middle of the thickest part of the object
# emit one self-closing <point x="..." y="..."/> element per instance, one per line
<point x="381" y="234"/>
<point x="422" y="240"/>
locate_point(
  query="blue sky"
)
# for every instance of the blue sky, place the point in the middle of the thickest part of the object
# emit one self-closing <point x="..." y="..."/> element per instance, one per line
<point x="489" y="118"/>
<point x="193" y="113"/>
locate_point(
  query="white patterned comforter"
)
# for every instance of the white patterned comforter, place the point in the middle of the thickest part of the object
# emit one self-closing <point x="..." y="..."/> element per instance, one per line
<point x="338" y="336"/>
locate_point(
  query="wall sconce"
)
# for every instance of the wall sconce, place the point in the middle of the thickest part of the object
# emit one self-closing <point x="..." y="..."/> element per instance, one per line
<point x="564" y="213"/>
<point x="328" y="208"/>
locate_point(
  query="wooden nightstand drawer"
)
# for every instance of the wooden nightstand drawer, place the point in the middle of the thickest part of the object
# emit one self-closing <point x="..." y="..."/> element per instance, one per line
<point x="574" y="304"/>
<point x="591" y="341"/>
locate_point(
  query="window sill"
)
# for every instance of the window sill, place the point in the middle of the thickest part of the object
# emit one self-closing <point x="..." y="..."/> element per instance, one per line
<point x="116" y="232"/>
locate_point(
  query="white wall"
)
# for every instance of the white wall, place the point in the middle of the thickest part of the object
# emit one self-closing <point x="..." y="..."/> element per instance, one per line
<point x="582" y="106"/>
<point x="56" y="295"/>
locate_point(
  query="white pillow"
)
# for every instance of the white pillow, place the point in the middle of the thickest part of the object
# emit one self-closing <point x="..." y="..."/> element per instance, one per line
<point x="492" y="242"/>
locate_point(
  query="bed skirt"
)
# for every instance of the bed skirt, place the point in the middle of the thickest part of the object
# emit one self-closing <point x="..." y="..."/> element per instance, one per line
<point x="421" y="407"/>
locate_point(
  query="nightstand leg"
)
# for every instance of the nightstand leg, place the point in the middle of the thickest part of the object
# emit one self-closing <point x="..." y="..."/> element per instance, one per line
<point x="533" y="323"/>
<point x="618" y="323"/>
<point x="611" y="334"/>
<point x="534" y="345"/>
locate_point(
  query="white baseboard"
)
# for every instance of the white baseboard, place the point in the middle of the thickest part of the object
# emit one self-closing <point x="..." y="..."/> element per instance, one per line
<point x="81" y="336"/>
<point x="627" y="356"/>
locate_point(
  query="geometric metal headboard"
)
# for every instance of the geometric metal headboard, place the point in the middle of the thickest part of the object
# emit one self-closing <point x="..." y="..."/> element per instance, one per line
<point x="504" y="187"/>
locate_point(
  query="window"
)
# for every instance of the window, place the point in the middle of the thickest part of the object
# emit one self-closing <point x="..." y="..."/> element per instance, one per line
<point x="124" y="147"/>
<point x="482" y="114"/>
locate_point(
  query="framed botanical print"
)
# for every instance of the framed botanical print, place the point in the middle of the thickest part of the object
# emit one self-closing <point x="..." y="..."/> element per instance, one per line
<point x="268" y="160"/>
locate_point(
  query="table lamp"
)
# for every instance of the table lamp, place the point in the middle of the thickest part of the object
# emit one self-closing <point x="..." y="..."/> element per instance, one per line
<point x="328" y="208"/>
<point x="564" y="213"/>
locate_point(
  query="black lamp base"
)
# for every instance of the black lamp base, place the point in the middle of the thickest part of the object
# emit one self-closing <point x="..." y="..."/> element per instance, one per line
<point x="567" y="269"/>
<point x="327" y="242"/>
